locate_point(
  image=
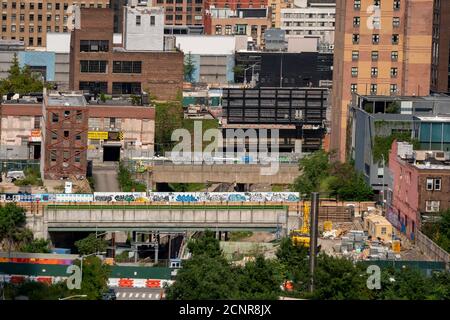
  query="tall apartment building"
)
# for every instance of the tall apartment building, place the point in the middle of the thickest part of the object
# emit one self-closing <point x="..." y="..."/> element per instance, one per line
<point x="310" y="18"/>
<point x="440" y="65"/>
<point x="99" y="65"/>
<point x="182" y="12"/>
<point x="30" y="20"/>
<point x="276" y="6"/>
<point x="382" y="47"/>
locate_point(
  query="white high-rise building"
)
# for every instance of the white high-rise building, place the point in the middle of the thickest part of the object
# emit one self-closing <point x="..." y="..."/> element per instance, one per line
<point x="310" y="19"/>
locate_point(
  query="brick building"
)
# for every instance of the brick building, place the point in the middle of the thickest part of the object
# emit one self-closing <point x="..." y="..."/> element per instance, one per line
<point x="30" y="20"/>
<point x="116" y="129"/>
<point x="440" y="66"/>
<point x="385" y="55"/>
<point x="421" y="186"/>
<point x="182" y="12"/>
<point x="64" y="136"/>
<point x="98" y="65"/>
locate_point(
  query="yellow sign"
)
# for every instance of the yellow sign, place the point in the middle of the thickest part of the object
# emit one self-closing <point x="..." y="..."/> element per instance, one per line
<point x="98" y="135"/>
<point x="396" y="247"/>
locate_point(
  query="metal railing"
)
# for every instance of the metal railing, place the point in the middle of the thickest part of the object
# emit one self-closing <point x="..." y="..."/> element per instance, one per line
<point x="431" y="249"/>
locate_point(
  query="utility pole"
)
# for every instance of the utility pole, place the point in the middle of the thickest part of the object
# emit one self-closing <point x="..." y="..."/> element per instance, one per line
<point x="313" y="236"/>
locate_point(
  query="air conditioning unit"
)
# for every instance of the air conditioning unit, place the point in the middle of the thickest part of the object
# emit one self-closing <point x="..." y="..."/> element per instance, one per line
<point x="442" y="155"/>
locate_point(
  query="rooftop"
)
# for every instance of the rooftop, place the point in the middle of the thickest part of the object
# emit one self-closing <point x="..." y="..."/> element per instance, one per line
<point x="68" y="100"/>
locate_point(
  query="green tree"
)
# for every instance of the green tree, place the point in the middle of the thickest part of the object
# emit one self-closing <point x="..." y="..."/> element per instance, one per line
<point x="169" y="117"/>
<point x="37" y="290"/>
<point x="94" y="278"/>
<point x="347" y="184"/>
<point x="259" y="280"/>
<point x="20" y="80"/>
<point x="91" y="244"/>
<point x="206" y="244"/>
<point x="189" y="68"/>
<point x="340" y="279"/>
<point x="36" y="246"/>
<point x="314" y="168"/>
<point x="439" y="231"/>
<point x="12" y="222"/>
<point x="204" y="278"/>
<point x="294" y="264"/>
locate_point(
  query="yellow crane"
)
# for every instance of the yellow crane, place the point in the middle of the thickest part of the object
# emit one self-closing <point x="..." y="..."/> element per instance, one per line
<point x="300" y="237"/>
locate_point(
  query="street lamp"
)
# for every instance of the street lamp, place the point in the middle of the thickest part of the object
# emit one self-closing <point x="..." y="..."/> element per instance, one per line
<point x="75" y="296"/>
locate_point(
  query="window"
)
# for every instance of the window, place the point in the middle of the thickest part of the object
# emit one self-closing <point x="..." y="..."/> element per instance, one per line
<point x="355" y="38"/>
<point x="373" y="88"/>
<point x="77" y="158"/>
<point x="93" y="66"/>
<point x="55" y="117"/>
<point x="396" y="4"/>
<point x="394" y="55"/>
<point x="13" y="28"/>
<point x="218" y="29"/>
<point x="57" y="17"/>
<point x="66" y="133"/>
<point x="13" y="5"/>
<point x="152" y="20"/>
<point x="357" y="4"/>
<point x="66" y="155"/>
<point x="376" y="24"/>
<point x="78" y="137"/>
<point x="355" y="55"/>
<point x="54" y="135"/>
<point x="39" y="41"/>
<point x="374" y="72"/>
<point x="127" y="66"/>
<point x="94" y="46"/>
<point x="4" y="5"/>
<point x="79" y="115"/>
<point x="138" y="20"/>
<point x="374" y="55"/>
<point x="432" y="206"/>
<point x="49" y="17"/>
<point x="126" y="88"/>
<point x="31" y="6"/>
<point x="31" y="17"/>
<point x="57" y="7"/>
<point x="22" y="17"/>
<point x="49" y="6"/>
<point x="395" y="38"/>
<point x="393" y="89"/>
<point x="394" y="72"/>
<point x="93" y="87"/>
<point x="37" y="122"/>
<point x="354" y="71"/>
<point x="169" y="17"/>
<point x="39" y="17"/>
<point x="377" y="3"/>
<point x="383" y="230"/>
<point x="39" y="6"/>
<point x="375" y="38"/>
<point x="53" y="155"/>
<point x="433" y="184"/>
<point x="112" y="122"/>
<point x="396" y="22"/>
<point x="31" y="41"/>
<point x="228" y="29"/>
<point x="353" y="87"/>
<point x="356" y="21"/>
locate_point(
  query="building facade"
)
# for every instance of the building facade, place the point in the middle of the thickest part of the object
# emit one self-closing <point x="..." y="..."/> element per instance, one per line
<point x="377" y="119"/>
<point x="310" y="18"/>
<point x="99" y="66"/>
<point x="276" y="6"/>
<point x="115" y="130"/>
<point x="440" y="66"/>
<point x="250" y="22"/>
<point x="421" y="186"/>
<point x="64" y="136"/>
<point x="382" y="51"/>
<point x="30" y="20"/>
<point x="182" y="12"/>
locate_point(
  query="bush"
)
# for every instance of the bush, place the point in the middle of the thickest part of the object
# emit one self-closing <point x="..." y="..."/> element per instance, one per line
<point x="127" y="184"/>
<point x="32" y="178"/>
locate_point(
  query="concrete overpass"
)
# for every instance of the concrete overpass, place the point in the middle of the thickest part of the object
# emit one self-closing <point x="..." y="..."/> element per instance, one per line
<point x="162" y="217"/>
<point x="226" y="173"/>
